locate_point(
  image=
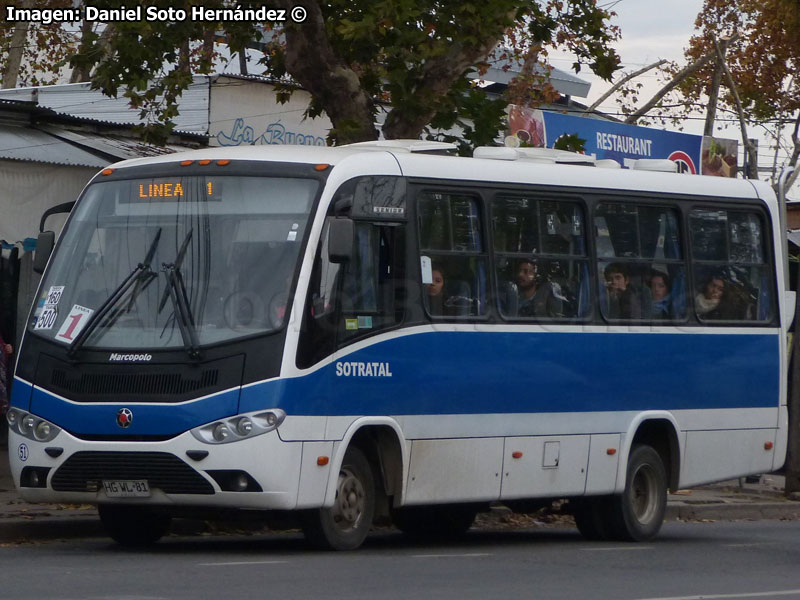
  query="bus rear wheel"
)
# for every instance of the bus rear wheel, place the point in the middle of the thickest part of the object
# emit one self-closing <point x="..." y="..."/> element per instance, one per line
<point x="345" y="525"/>
<point x="638" y="514"/>
<point x="133" y="526"/>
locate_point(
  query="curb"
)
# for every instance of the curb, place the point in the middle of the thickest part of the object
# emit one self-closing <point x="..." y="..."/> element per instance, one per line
<point x="733" y="512"/>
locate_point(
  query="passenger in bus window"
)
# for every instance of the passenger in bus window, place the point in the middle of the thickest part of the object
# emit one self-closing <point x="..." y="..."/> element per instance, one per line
<point x="537" y="297"/>
<point x="720" y="299"/>
<point x="623" y="300"/>
<point x="435" y="293"/>
<point x="447" y="299"/>
<point x="660" y="293"/>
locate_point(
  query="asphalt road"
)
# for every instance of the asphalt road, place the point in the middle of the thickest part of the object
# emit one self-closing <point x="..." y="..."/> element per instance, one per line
<point x="688" y="560"/>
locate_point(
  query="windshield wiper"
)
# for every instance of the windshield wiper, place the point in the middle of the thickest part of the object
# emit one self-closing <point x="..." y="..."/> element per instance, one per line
<point x="141" y="275"/>
<point x="176" y="291"/>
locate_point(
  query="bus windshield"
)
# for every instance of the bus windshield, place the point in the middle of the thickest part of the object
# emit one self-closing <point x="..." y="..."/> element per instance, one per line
<point x="155" y="263"/>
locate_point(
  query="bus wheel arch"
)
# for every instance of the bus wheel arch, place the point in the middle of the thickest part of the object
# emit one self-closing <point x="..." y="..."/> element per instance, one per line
<point x="661" y="434"/>
<point x="651" y="468"/>
<point x="345" y="525"/>
<point x="382" y="442"/>
<point x="367" y="475"/>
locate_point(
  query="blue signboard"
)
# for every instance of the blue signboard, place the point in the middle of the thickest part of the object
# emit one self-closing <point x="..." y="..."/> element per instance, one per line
<point x="626" y="143"/>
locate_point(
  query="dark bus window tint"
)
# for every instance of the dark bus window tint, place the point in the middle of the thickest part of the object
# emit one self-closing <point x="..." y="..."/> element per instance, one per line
<point x="535" y="280"/>
<point x="616" y="227"/>
<point x="562" y="228"/>
<point x="642" y="291"/>
<point x="457" y="288"/>
<point x="733" y="281"/>
<point x="515" y="225"/>
<point x="641" y="269"/>
<point x="543" y="288"/>
<point x="708" y="231"/>
<point x="449" y="222"/>
<point x="453" y="266"/>
<point x="746" y="244"/>
<point x="630" y="231"/>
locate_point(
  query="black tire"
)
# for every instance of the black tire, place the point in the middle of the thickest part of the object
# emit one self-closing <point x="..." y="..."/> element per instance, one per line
<point x="439" y="521"/>
<point x="638" y="514"/>
<point x="345" y="525"/>
<point x="133" y="526"/>
<point x="592" y="517"/>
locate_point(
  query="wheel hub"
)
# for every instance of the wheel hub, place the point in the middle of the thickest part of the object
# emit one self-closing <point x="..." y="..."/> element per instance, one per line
<point x="350" y="501"/>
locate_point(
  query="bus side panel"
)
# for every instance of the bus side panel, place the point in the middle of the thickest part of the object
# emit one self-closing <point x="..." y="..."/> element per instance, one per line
<point x="314" y="474"/>
<point x="454" y="470"/>
<point x="603" y="463"/>
<point x="540" y="466"/>
<point x="720" y="455"/>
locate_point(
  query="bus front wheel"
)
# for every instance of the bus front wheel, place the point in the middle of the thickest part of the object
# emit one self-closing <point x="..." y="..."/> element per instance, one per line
<point x="133" y="526"/>
<point x="638" y="513"/>
<point x="345" y="525"/>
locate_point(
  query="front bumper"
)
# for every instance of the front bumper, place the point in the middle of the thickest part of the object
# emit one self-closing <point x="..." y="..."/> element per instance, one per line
<point x="72" y="470"/>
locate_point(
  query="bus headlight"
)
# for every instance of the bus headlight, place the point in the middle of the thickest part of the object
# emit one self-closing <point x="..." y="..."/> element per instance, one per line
<point x="244" y="426"/>
<point x="221" y="432"/>
<point x="240" y="427"/>
<point x="26" y="425"/>
<point x="31" y="426"/>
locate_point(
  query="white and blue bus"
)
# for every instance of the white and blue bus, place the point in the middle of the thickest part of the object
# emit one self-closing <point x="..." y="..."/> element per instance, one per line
<point x="346" y="333"/>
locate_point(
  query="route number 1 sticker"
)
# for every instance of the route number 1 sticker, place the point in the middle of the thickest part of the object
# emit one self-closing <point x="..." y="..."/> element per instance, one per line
<point x="72" y="325"/>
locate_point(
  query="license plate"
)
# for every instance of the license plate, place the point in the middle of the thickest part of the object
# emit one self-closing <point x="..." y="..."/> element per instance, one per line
<point x="137" y="488"/>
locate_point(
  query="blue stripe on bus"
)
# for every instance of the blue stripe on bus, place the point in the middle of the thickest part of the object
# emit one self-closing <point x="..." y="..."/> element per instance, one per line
<point x="485" y="373"/>
<point x="480" y="373"/>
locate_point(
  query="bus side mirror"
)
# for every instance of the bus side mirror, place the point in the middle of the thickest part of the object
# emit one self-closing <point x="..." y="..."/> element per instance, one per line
<point x="340" y="240"/>
<point x="44" y="248"/>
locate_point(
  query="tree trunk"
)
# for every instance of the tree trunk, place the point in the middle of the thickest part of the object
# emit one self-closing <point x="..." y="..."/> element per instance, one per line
<point x="750" y="147"/>
<point x="16" y="51"/>
<point x="795" y="154"/>
<point x="312" y="62"/>
<point x="81" y="74"/>
<point x="713" y="92"/>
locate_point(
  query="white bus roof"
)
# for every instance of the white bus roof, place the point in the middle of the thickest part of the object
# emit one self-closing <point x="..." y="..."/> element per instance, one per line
<point x="425" y="165"/>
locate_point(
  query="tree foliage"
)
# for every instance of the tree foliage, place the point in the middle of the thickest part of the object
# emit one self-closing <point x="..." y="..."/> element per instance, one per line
<point x="33" y="53"/>
<point x="352" y="55"/>
<point x="763" y="58"/>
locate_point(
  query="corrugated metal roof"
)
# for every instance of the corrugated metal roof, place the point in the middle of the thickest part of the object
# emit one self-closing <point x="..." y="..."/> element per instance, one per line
<point x="116" y="147"/>
<point x="79" y="100"/>
<point x="26" y="144"/>
<point x="504" y="70"/>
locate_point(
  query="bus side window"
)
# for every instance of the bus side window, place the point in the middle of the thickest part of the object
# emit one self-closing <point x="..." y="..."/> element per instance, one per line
<point x="732" y="278"/>
<point x="370" y="282"/>
<point x="352" y="300"/>
<point x="642" y="275"/>
<point x="451" y="242"/>
<point x="541" y="267"/>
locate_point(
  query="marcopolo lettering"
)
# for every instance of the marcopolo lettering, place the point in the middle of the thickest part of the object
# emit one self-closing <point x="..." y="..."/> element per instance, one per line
<point x="363" y="369"/>
<point x="116" y="357"/>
